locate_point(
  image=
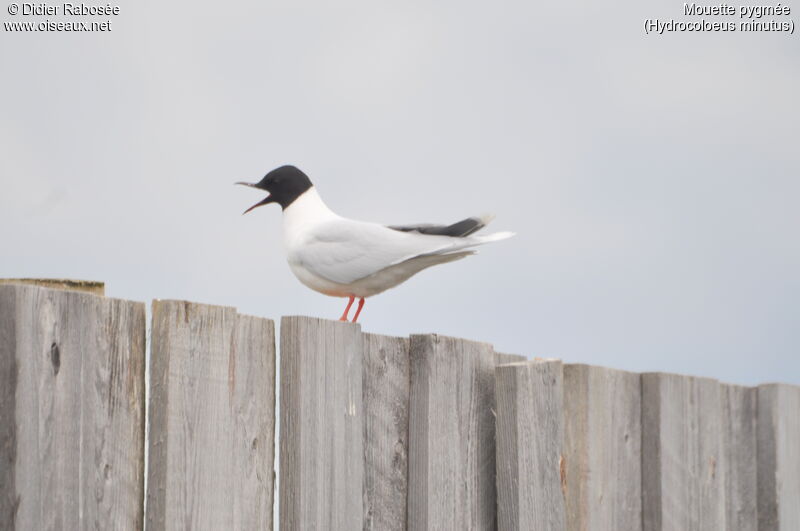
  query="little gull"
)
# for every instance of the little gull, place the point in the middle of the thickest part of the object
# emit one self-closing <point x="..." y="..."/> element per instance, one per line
<point x="343" y="257"/>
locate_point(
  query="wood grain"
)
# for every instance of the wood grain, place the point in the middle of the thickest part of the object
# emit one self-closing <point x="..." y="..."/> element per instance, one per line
<point x="212" y="419"/>
<point x="778" y="457"/>
<point x="88" y="286"/>
<point x="529" y="446"/>
<point x="322" y="430"/>
<point x="451" y="434"/>
<point x="602" y="448"/>
<point x="377" y="432"/>
<point x="739" y="422"/>
<point x="501" y="358"/>
<point x="682" y="458"/>
<point x="385" y="389"/>
<point x="72" y="414"/>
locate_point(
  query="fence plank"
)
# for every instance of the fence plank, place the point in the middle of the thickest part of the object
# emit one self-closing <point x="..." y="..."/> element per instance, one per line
<point x="321" y="437"/>
<point x="87" y="286"/>
<point x="72" y="410"/>
<point x="682" y="471"/>
<point x="778" y="457"/>
<point x="385" y="388"/>
<point x="501" y="358"/>
<point x="451" y="434"/>
<point x="602" y="448"/>
<point x="529" y="446"/>
<point x="212" y="418"/>
<point x="739" y="410"/>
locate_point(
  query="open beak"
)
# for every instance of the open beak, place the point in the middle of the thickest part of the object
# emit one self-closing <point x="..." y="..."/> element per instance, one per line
<point x="263" y="202"/>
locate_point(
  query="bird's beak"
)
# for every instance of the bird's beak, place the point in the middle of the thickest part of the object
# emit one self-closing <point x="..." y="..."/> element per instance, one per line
<point x="263" y="202"/>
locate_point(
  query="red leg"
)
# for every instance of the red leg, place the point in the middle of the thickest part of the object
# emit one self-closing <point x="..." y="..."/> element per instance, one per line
<point x="346" y="310"/>
<point x="358" y="310"/>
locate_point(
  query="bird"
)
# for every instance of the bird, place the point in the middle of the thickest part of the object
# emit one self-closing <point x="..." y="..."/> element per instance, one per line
<point x="342" y="257"/>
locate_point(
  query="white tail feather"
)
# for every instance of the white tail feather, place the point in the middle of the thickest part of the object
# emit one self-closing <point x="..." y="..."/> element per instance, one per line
<point x="470" y="241"/>
<point x="494" y="237"/>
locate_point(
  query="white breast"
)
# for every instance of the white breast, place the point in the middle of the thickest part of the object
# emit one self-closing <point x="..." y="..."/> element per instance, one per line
<point x="299" y="220"/>
<point x="301" y="217"/>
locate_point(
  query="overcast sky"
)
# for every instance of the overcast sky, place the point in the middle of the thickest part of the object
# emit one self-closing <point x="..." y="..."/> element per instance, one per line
<point x="653" y="181"/>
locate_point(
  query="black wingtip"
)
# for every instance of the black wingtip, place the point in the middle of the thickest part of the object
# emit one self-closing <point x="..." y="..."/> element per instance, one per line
<point x="460" y="229"/>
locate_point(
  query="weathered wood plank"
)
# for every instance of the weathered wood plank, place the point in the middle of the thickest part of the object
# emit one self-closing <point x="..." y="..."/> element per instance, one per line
<point x="739" y="421"/>
<point x="212" y="419"/>
<point x="72" y="411"/>
<point x="501" y="358"/>
<point x="322" y="430"/>
<point x="529" y="446"/>
<point x="682" y="468"/>
<point x="778" y="457"/>
<point x="385" y="389"/>
<point x="88" y="286"/>
<point x="451" y="434"/>
<point x="602" y="449"/>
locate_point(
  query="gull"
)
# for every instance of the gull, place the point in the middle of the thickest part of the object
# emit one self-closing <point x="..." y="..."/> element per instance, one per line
<point x="342" y="257"/>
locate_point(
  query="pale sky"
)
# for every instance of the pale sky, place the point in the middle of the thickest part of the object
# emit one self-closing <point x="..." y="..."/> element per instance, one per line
<point x="653" y="181"/>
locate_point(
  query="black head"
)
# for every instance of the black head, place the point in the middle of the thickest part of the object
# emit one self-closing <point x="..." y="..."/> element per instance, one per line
<point x="284" y="184"/>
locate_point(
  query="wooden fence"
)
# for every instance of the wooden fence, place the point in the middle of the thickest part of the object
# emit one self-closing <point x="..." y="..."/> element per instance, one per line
<point x="376" y="432"/>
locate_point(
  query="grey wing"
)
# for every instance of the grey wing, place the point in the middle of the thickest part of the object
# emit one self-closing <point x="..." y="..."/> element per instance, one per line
<point x="462" y="228"/>
<point x="347" y="251"/>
